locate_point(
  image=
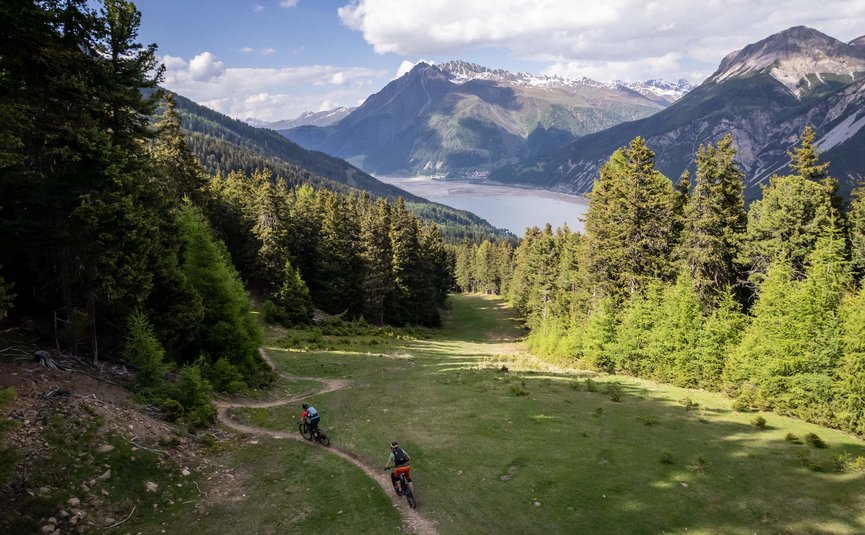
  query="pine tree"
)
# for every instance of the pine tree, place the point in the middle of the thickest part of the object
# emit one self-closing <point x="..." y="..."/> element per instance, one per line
<point x="520" y="282"/>
<point x="377" y="255"/>
<point x="272" y="228"/>
<point x="340" y="268"/>
<point x="629" y="224"/>
<point x="464" y="270"/>
<point x="485" y="269"/>
<point x="675" y="339"/>
<point x="542" y="264"/>
<point x="715" y="222"/>
<point x="406" y="265"/>
<point x="721" y="333"/>
<point x="804" y="158"/>
<point x="634" y="353"/>
<point x="293" y="298"/>
<point x="181" y="174"/>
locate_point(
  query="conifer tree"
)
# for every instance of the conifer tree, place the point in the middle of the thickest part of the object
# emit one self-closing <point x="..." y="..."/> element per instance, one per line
<point x="721" y="334"/>
<point x="598" y="339"/>
<point x="629" y="224"/>
<point x="485" y="269"/>
<point x="521" y="280"/>
<point x="856" y="220"/>
<point x="377" y="255"/>
<point x="851" y="373"/>
<point x="143" y="349"/>
<point x="464" y="269"/>
<point x="293" y="298"/>
<point x="634" y="351"/>
<point x="340" y="269"/>
<point x="677" y="335"/>
<point x="228" y="328"/>
<point x="715" y="222"/>
<point x="272" y="228"/>
<point x="406" y="264"/>
<point x="181" y="174"/>
<point x="805" y="158"/>
<point x="542" y="263"/>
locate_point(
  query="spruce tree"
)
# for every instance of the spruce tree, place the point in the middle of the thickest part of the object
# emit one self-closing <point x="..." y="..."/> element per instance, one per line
<point x="715" y="222"/>
<point x="340" y="268"/>
<point x="721" y="334"/>
<point x="856" y="220"/>
<point x="376" y="254"/>
<point x="293" y="298"/>
<point x="629" y="224"/>
<point x="675" y="339"/>
<point x="634" y="352"/>
<point x="464" y="269"/>
<point x="599" y="336"/>
<point x="143" y="350"/>
<point x="406" y="265"/>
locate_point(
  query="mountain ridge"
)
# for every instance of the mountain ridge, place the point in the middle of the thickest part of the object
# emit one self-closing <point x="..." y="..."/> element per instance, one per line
<point x="744" y="97"/>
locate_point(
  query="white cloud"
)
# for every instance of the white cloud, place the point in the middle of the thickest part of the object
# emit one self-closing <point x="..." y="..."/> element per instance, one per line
<point x="266" y="51"/>
<point x="205" y="66"/>
<point x="257" y="8"/>
<point x="247" y="50"/>
<point x="266" y="94"/>
<point x="617" y="70"/>
<point x="327" y="105"/>
<point x="288" y="3"/>
<point x="606" y="36"/>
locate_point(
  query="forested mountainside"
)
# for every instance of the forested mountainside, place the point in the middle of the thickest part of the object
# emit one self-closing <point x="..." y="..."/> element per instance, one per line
<point x="459" y="119"/>
<point x="224" y="145"/>
<point x="764" y="95"/>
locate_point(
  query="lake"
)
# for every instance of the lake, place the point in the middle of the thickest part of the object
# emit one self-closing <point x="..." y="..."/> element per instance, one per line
<point x="514" y="209"/>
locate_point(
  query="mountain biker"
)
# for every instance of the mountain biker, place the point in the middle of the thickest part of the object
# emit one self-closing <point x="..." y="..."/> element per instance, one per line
<point x="400" y="459"/>
<point x="310" y="416"/>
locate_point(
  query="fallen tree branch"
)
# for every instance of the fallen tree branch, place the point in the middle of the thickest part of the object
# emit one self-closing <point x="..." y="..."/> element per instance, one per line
<point x="114" y="525"/>
<point x="199" y="489"/>
<point x="139" y="446"/>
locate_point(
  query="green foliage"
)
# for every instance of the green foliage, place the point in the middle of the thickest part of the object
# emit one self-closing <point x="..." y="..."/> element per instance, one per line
<point x="666" y="457"/>
<point x="293" y="303"/>
<point x="759" y="422"/>
<point x="814" y="441"/>
<point x="193" y="393"/>
<point x="599" y="336"/>
<point x="143" y="350"/>
<point x="228" y="328"/>
<point x="223" y="375"/>
<point x="790" y="437"/>
<point x="629" y="224"/>
<point x="856" y="220"/>
<point x="851" y="372"/>
<point x="635" y="349"/>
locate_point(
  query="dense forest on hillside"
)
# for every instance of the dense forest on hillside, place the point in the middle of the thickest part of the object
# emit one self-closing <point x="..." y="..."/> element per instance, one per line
<point x="225" y="145"/>
<point x="116" y="242"/>
<point x="680" y="283"/>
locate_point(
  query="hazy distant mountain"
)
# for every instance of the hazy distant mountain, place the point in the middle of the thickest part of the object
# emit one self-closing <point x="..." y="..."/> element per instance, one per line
<point x="311" y="118"/>
<point x="764" y="94"/>
<point x="460" y="118"/>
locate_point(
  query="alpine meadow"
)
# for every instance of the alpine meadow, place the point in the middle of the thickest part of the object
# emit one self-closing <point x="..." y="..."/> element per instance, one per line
<point x="211" y="323"/>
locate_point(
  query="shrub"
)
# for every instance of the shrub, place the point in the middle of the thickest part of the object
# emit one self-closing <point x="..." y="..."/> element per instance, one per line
<point x="698" y="465"/>
<point x="598" y="412"/>
<point x="792" y="438"/>
<point x="810" y="462"/>
<point x="517" y="390"/>
<point x="759" y="422"/>
<point x="688" y="403"/>
<point x="813" y="440"/>
<point x="273" y="314"/>
<point x="590" y="385"/>
<point x="224" y="376"/>
<point x="614" y="391"/>
<point x="666" y="457"/>
<point x="847" y="463"/>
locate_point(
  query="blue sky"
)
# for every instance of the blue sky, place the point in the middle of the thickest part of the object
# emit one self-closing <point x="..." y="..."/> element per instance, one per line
<point x="274" y="59"/>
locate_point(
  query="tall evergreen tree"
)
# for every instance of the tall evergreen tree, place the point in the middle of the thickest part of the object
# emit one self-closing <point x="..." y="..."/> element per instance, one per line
<point x="856" y="220"/>
<point x="629" y="223"/>
<point x="715" y="222"/>
<point x="340" y="268"/>
<point x="851" y="373"/>
<point x="377" y="255"/>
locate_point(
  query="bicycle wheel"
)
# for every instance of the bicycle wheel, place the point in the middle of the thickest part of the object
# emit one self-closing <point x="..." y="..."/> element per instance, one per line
<point x="322" y="438"/>
<point x="305" y="430"/>
<point x="407" y="492"/>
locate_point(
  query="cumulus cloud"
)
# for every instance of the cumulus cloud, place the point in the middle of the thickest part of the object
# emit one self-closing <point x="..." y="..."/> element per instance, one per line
<point x="617" y="33"/>
<point x="205" y="67"/>
<point x="266" y="93"/>
<point x="288" y="3"/>
<point x="247" y="50"/>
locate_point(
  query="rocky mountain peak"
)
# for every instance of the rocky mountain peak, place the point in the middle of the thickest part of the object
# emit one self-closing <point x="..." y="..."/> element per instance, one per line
<point x="792" y="55"/>
<point x="859" y="42"/>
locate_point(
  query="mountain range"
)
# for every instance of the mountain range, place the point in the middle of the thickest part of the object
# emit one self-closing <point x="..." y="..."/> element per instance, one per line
<point x="311" y="118"/>
<point x="764" y="95"/>
<point x="462" y="119"/>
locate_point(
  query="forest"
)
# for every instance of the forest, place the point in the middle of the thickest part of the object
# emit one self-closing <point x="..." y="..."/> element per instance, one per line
<point x="116" y="242"/>
<point x="682" y="283"/>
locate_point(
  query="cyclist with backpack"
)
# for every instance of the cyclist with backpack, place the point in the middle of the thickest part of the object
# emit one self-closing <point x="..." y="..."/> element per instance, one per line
<point x="400" y="461"/>
<point x="310" y="416"/>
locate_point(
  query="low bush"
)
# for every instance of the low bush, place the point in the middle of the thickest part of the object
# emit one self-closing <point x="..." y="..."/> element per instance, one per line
<point x="813" y="440"/>
<point x="666" y="457"/>
<point x="792" y="438"/>
<point x="688" y="403"/>
<point x="759" y="422"/>
<point x="615" y="392"/>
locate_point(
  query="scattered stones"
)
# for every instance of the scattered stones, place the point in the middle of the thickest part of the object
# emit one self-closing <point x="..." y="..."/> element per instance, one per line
<point x="684" y="484"/>
<point x="536" y="503"/>
<point x="150" y="486"/>
<point x="108" y="521"/>
<point x="73" y="502"/>
<point x="104" y="448"/>
<point x="48" y="528"/>
<point x="43" y="490"/>
<point x="105" y="475"/>
<point x="185" y="472"/>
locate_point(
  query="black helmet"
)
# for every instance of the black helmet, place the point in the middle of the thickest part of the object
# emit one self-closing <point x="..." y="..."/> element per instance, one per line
<point x="305" y="406"/>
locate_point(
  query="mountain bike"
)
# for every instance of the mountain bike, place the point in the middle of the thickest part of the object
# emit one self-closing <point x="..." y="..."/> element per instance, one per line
<point x="406" y="489"/>
<point x="316" y="434"/>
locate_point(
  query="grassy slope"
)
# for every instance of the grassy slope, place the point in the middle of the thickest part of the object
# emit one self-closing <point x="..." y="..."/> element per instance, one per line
<point x="592" y="464"/>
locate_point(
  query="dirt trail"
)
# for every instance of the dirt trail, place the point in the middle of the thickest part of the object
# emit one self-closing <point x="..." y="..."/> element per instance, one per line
<point x="411" y="518"/>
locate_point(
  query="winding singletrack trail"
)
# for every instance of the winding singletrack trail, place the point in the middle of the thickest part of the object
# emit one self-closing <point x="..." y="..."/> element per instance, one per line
<point x="410" y="517"/>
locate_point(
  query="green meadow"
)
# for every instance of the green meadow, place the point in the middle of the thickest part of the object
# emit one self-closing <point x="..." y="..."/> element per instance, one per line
<point x="502" y="443"/>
